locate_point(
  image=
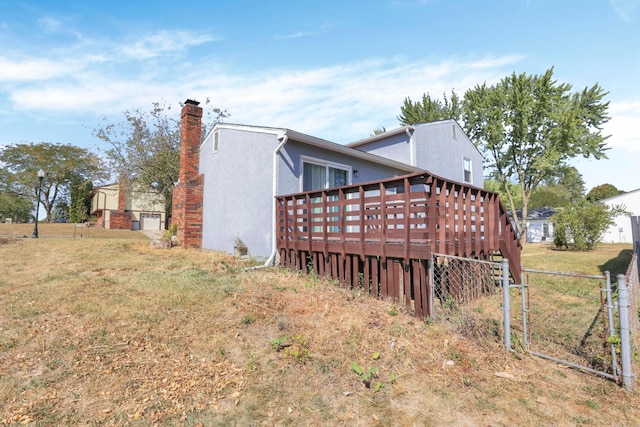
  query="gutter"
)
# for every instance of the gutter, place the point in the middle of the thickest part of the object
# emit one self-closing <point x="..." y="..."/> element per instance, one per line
<point x="273" y="258"/>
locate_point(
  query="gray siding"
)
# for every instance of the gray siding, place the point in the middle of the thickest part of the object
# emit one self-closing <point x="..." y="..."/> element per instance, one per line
<point x="396" y="147"/>
<point x="291" y="163"/>
<point x="238" y="185"/>
<point x="441" y="151"/>
<point x="437" y="147"/>
<point x="238" y="191"/>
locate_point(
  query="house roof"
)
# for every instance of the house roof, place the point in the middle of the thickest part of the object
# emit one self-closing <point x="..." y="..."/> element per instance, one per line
<point x="621" y="196"/>
<point x="410" y="128"/>
<point x="381" y="136"/>
<point x="538" y="213"/>
<point x="320" y="143"/>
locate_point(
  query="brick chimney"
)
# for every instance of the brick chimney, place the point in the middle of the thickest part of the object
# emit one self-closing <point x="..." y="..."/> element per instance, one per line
<point x="188" y="194"/>
<point x="122" y="194"/>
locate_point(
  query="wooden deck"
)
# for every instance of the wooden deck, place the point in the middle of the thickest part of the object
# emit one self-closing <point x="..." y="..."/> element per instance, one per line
<point x="380" y="235"/>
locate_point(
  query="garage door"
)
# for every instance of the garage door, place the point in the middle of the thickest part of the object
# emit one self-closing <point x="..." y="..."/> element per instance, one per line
<point x="149" y="222"/>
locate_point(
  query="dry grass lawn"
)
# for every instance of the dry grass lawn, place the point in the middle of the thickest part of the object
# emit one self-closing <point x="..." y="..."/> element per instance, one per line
<point x="107" y="331"/>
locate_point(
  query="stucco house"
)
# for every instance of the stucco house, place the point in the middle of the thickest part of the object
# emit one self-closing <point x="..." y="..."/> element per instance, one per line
<point x="232" y="178"/>
<point x="117" y="207"/>
<point x="440" y="147"/>
<point x="621" y="231"/>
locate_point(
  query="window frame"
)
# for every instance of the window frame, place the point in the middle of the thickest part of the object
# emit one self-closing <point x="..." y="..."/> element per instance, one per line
<point x="327" y="164"/>
<point x="216" y="141"/>
<point x="466" y="160"/>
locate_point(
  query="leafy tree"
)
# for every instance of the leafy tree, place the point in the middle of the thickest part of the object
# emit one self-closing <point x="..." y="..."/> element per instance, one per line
<point x="14" y="206"/>
<point x="529" y="126"/>
<point x="62" y="163"/>
<point x="430" y="110"/>
<point x="79" y="208"/>
<point x="558" y="191"/>
<point x="145" y="149"/>
<point x="547" y="196"/>
<point x="603" y="191"/>
<point x="499" y="187"/>
<point x="581" y="225"/>
<point x="378" y="131"/>
<point x="568" y="183"/>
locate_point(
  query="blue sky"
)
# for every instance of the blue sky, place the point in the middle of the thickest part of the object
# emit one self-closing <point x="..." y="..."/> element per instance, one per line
<point x="332" y="69"/>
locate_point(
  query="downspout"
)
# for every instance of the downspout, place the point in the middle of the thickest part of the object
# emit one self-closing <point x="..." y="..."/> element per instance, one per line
<point x="273" y="258"/>
<point x="412" y="148"/>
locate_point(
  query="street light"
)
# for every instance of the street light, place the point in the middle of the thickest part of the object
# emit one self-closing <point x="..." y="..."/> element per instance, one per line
<point x="35" y="226"/>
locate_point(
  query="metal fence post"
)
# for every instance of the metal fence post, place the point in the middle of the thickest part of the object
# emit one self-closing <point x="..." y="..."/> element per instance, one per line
<point x="525" y="333"/>
<point x="612" y="326"/>
<point x="625" y="339"/>
<point x="506" y="302"/>
<point x="431" y="290"/>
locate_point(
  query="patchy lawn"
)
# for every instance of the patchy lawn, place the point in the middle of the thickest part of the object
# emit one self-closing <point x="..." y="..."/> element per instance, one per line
<point x="112" y="332"/>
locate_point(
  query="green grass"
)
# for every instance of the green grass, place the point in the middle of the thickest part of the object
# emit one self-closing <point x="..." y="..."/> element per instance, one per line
<point x="614" y="258"/>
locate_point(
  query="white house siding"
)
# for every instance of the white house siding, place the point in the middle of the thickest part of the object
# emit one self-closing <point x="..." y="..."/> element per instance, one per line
<point x="621" y="231"/>
<point x="536" y="231"/>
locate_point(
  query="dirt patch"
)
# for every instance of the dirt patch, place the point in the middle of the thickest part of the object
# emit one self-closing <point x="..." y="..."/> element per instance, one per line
<point x="5" y="240"/>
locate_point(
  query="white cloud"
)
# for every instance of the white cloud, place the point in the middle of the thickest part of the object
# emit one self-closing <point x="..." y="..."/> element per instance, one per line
<point x="298" y="34"/>
<point x="50" y="25"/>
<point x="295" y="35"/>
<point x="623" y="126"/>
<point x="32" y="69"/>
<point x="54" y="26"/>
<point x="626" y="9"/>
<point x="342" y="103"/>
<point x="164" y="42"/>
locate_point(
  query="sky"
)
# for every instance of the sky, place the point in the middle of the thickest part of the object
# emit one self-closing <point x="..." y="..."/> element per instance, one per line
<point x="332" y="69"/>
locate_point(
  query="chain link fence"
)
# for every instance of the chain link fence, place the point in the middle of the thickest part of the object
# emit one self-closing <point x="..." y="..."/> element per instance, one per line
<point x="568" y="318"/>
<point x="467" y="295"/>
<point x="573" y="319"/>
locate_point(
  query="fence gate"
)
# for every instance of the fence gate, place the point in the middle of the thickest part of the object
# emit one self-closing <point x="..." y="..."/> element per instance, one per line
<point x="567" y="318"/>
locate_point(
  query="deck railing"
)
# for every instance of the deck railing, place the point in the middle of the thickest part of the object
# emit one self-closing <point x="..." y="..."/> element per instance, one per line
<point x="404" y="218"/>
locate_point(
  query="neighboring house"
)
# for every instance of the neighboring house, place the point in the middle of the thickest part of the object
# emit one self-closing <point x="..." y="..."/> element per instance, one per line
<point x="233" y="177"/>
<point x="115" y="207"/>
<point x="441" y="148"/>
<point x="621" y="231"/>
<point x="539" y="225"/>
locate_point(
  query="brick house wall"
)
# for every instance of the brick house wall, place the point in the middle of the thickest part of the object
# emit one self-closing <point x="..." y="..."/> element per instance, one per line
<point x="188" y="194"/>
<point x="120" y="220"/>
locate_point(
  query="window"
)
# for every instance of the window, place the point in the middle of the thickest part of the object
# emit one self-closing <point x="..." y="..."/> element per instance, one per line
<point x="317" y="175"/>
<point x="216" y="141"/>
<point x="466" y="165"/>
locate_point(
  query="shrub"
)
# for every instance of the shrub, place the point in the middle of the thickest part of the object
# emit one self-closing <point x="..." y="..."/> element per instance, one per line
<point x="581" y="225"/>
